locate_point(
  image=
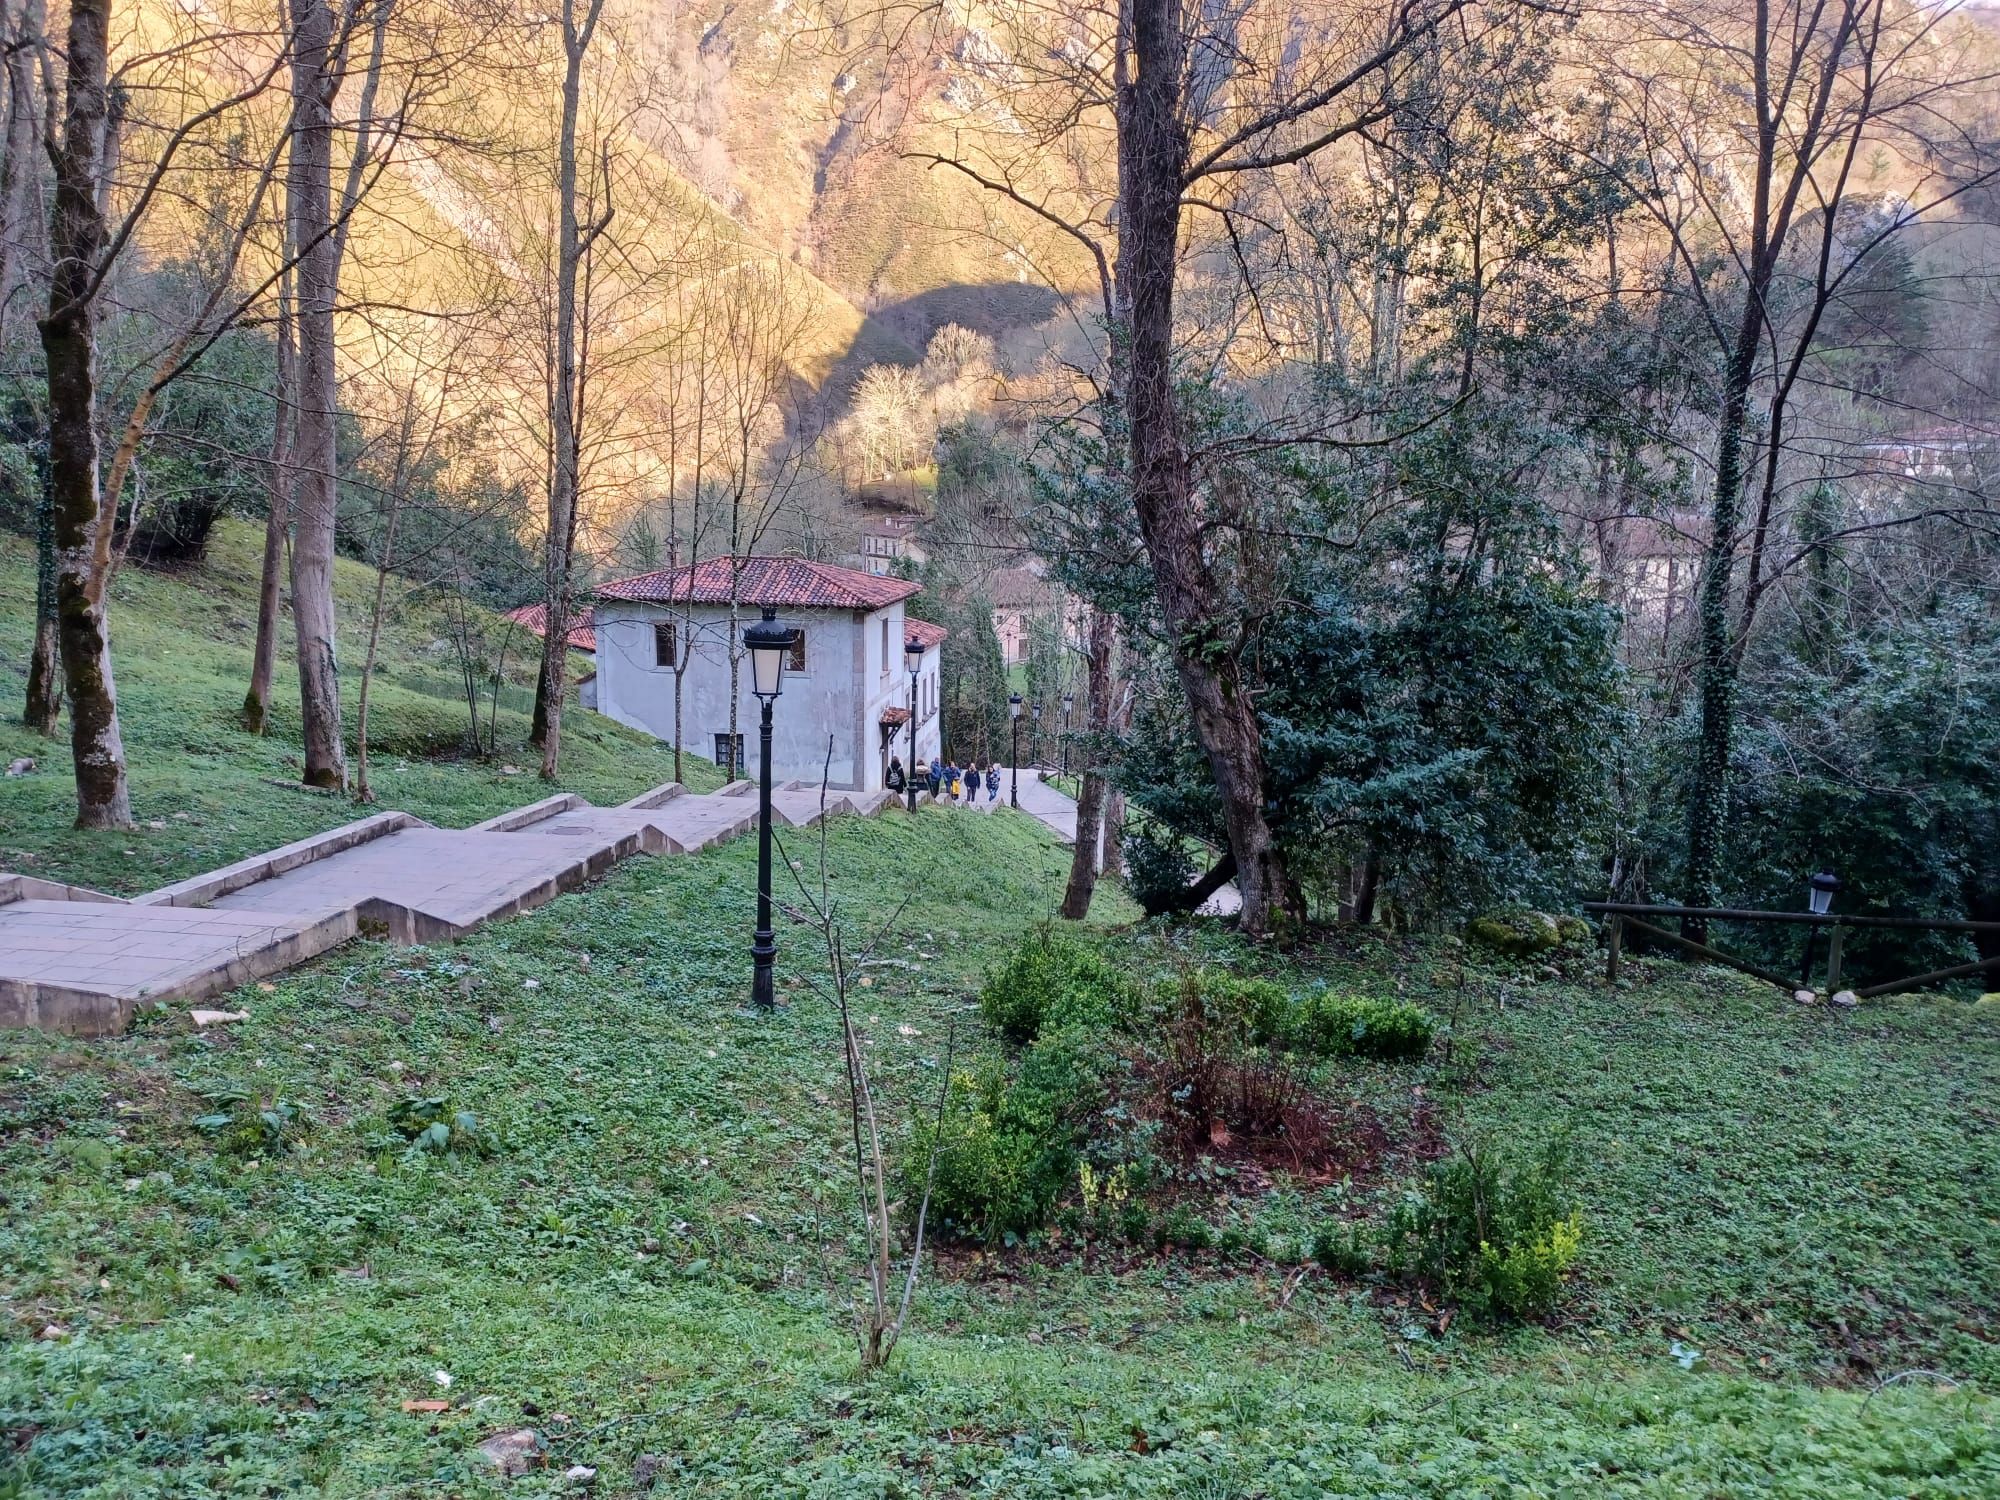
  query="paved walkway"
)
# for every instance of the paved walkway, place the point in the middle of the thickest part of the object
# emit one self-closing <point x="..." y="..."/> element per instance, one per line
<point x="76" y="961"/>
<point x="1058" y="810"/>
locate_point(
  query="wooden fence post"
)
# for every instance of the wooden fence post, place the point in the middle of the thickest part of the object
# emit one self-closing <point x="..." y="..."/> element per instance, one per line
<point x="1614" y="944"/>
<point x="1833" y="960"/>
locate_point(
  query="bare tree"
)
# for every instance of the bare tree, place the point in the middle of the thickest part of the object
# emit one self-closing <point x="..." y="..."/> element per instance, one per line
<point x="418" y="432"/>
<point x="1197" y="100"/>
<point x="881" y="1314"/>
<point x="1757" y="125"/>
<point x="277" y="519"/>
<point x="574" y="238"/>
<point x="321" y="41"/>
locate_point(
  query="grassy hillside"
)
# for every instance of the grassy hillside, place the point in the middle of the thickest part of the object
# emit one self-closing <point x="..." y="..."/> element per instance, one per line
<point x="205" y="792"/>
<point x="1787" y="1212"/>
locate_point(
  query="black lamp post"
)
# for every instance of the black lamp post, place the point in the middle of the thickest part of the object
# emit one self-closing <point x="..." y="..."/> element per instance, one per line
<point x="913" y="658"/>
<point x="769" y="644"/>
<point x="1035" y="753"/>
<point x="1014" y="728"/>
<point x="1069" y="703"/>
<point x="1819" y="901"/>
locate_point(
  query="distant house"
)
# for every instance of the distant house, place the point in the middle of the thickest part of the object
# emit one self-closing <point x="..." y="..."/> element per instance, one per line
<point x="1020" y="596"/>
<point x="846" y="679"/>
<point x="534" y="618"/>
<point x="886" y="540"/>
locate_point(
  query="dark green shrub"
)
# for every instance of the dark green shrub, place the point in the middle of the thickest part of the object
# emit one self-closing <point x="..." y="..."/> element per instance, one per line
<point x="1333" y="1025"/>
<point x="1008" y="1147"/>
<point x="1341" y="1248"/>
<point x="1051" y="982"/>
<point x="1185" y="1229"/>
<point x="1158" y="870"/>
<point x="1497" y="1236"/>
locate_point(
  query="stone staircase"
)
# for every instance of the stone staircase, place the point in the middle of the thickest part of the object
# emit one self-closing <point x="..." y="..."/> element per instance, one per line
<point x="77" y="961"/>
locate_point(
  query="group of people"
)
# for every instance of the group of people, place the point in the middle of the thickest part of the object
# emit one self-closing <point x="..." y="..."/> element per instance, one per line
<point x="946" y="780"/>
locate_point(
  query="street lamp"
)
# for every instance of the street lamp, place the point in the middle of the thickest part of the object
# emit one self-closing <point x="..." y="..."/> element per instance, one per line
<point x="1069" y="703"/>
<point x="769" y="643"/>
<point x="913" y="658"/>
<point x="1036" y="751"/>
<point x="1014" y="728"/>
<point x="1819" y="901"/>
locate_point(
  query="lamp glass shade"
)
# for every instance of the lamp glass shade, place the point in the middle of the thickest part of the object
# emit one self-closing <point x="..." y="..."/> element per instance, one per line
<point x="769" y="643"/>
<point x="1819" y="892"/>
<point x="913" y="655"/>
<point x="1069" y="702"/>
<point x="1038" y="708"/>
<point x="1013" y="705"/>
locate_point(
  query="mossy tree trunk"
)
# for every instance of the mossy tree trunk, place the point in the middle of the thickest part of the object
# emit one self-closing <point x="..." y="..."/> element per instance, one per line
<point x="69" y="335"/>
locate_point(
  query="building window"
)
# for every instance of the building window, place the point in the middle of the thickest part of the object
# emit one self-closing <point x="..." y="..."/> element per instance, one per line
<point x="797" y="661"/>
<point x="722" y="750"/>
<point x="666" y="640"/>
<point x="885" y="648"/>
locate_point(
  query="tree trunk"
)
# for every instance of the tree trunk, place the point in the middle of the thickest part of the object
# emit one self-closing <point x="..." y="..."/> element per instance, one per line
<point x="363" y="792"/>
<point x="1114" y="831"/>
<point x="309" y="209"/>
<point x="566" y="454"/>
<point x="1715" y="677"/>
<point x="1083" y="864"/>
<point x="43" y="708"/>
<point x="19" y="214"/>
<point x="76" y="243"/>
<point x="277" y="527"/>
<point x="1364" y="891"/>
<point x="1152" y="162"/>
<point x="20" y="167"/>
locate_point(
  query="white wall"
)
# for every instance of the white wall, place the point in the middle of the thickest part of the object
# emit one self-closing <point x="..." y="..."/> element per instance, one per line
<point x="847" y="683"/>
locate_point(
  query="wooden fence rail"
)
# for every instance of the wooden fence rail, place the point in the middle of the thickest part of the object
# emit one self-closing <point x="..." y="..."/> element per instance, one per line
<point x="1622" y="914"/>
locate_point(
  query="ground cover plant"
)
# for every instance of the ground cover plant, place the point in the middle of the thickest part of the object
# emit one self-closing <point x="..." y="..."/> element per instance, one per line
<point x="202" y="788"/>
<point x="1785" y="1210"/>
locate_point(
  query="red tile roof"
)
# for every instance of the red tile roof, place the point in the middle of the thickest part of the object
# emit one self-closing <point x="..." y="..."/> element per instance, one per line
<point x="787" y="582"/>
<point x="895" y="716"/>
<point x="922" y="630"/>
<point x="534" y="618"/>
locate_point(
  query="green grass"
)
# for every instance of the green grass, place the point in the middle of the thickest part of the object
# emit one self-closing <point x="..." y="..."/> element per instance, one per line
<point x="1804" y="1196"/>
<point x="202" y="788"/>
<point x="1788" y="1284"/>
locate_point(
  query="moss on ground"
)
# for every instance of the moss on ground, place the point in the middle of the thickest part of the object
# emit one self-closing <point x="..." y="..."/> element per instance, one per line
<point x="1796" y="1204"/>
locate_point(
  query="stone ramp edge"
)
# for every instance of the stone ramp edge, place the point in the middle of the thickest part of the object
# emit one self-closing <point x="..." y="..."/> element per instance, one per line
<point x="199" y="890"/>
<point x="69" y="997"/>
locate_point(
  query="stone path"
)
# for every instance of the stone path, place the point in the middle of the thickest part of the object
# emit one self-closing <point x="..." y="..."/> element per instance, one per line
<point x="80" y="962"/>
<point x="1058" y="810"/>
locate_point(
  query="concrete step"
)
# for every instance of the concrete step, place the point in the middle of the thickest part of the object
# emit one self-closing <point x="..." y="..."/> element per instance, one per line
<point x="81" y="967"/>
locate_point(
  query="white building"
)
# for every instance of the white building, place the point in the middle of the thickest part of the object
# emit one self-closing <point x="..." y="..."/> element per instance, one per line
<point x="846" y="679"/>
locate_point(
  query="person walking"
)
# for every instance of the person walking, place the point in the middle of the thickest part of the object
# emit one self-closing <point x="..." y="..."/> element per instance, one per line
<point x="937" y="775"/>
<point x="895" y="780"/>
<point x="993" y="783"/>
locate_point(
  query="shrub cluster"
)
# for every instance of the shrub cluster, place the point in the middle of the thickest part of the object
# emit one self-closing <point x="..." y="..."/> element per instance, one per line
<point x="1320" y="1024"/>
<point x="1331" y="1025"/>
<point x="1219" y="1058"/>
<point x="1008" y="1144"/>
<point x="1052" y="982"/>
<point x="1496" y="1235"/>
